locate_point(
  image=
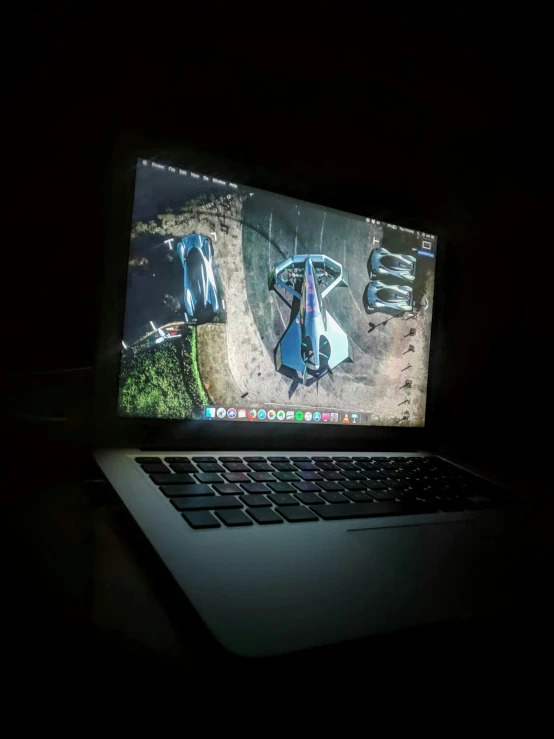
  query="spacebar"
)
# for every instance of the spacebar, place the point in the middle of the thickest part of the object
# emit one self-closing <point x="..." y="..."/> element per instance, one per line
<point x="370" y="510"/>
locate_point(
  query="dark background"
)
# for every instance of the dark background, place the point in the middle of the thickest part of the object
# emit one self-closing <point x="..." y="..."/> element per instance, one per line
<point x="436" y="121"/>
<point x="439" y="122"/>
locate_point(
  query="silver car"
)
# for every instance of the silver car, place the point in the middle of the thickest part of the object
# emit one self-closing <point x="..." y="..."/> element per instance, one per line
<point x="200" y="289"/>
<point x="391" y="297"/>
<point x="384" y="262"/>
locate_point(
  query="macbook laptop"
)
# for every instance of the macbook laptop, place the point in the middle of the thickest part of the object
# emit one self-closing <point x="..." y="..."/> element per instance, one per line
<point x="265" y="399"/>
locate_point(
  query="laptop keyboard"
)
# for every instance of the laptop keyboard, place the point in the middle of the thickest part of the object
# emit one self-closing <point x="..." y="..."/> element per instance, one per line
<point x="211" y="492"/>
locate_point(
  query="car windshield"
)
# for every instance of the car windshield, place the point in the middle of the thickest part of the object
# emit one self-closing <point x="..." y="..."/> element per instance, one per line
<point x="390" y="296"/>
<point x="393" y="262"/>
<point x="196" y="273"/>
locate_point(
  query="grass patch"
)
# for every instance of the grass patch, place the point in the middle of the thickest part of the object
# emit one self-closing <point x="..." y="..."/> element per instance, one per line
<point x="163" y="381"/>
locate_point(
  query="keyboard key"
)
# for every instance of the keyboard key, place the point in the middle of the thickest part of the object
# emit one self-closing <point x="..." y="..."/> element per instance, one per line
<point x="237" y="467"/>
<point x="353" y="475"/>
<point x="297" y="514"/>
<point x="330" y="466"/>
<point x="264" y="515"/>
<point x="397" y="484"/>
<point x="208" y="477"/>
<point x="282" y="499"/>
<point x="375" y="485"/>
<point x="331" y="475"/>
<point x="211" y="467"/>
<point x="228" y="488"/>
<point x="261" y="467"/>
<point x="178" y="479"/>
<point x="300" y="459"/>
<point x="342" y="459"/>
<point x="374" y="474"/>
<point x="236" y="477"/>
<point x="203" y="459"/>
<point x="334" y="498"/>
<point x="254" y="459"/>
<point x="284" y="466"/>
<point x="229" y="459"/>
<point x="147" y="460"/>
<point x="366" y="463"/>
<point x="309" y="475"/>
<point x="310" y="498"/>
<point x="205" y="502"/>
<point x="306" y="487"/>
<point x="380" y="495"/>
<point x="280" y="487"/>
<point x="371" y="510"/>
<point x="306" y="466"/>
<point x="277" y="459"/>
<point x="255" y="487"/>
<point x="353" y="485"/>
<point x="358" y="497"/>
<point x="321" y="459"/>
<point x="201" y="520"/>
<point x="261" y="476"/>
<point x="330" y="486"/>
<point x="176" y="459"/>
<point x="186" y="490"/>
<point x="234" y="518"/>
<point x="151" y="469"/>
<point x="256" y="501"/>
<point x="285" y="476"/>
<point x="183" y="467"/>
<point x="347" y="465"/>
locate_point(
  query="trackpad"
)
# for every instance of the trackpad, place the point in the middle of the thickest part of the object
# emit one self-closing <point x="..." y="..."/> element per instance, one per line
<point x="424" y="572"/>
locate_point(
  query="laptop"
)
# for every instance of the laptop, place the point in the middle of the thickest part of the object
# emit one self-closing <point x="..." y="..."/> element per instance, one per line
<point x="267" y="389"/>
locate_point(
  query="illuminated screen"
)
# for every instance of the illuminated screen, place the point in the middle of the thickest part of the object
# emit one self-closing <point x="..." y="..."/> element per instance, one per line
<point x="243" y="305"/>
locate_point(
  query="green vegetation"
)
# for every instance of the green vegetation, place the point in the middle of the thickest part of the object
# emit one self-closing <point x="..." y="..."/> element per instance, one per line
<point x="163" y="381"/>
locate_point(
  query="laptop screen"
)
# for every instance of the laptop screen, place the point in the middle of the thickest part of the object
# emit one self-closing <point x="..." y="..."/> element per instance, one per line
<point x="243" y="305"/>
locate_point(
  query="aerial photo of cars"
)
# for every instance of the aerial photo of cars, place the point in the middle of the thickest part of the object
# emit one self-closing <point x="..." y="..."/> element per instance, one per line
<point x="238" y="297"/>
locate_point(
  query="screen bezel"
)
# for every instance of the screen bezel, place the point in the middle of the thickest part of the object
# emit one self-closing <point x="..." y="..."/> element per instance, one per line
<point x="111" y="430"/>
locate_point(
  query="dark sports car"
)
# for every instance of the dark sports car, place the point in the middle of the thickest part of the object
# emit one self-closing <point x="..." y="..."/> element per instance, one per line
<point x="201" y="300"/>
<point x="395" y="297"/>
<point x="384" y="262"/>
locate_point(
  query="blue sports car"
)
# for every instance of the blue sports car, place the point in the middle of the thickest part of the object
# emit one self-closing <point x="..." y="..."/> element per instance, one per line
<point x="401" y="266"/>
<point x="392" y="297"/>
<point x="200" y="290"/>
